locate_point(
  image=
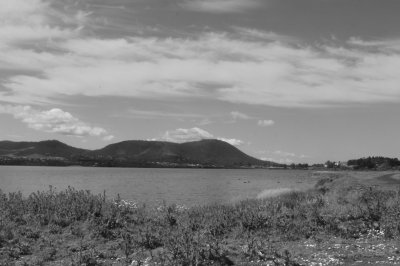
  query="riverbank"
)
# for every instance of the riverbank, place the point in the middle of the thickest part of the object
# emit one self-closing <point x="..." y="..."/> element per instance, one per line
<point x="340" y="222"/>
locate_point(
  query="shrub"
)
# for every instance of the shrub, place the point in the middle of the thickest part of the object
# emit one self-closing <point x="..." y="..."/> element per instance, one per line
<point x="174" y="235"/>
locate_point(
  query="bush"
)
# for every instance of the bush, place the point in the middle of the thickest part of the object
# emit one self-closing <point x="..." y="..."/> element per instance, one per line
<point x="45" y="222"/>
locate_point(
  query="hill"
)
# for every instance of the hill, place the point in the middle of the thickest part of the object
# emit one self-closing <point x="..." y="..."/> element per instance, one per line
<point x="204" y="152"/>
<point x="133" y="153"/>
<point x="47" y="148"/>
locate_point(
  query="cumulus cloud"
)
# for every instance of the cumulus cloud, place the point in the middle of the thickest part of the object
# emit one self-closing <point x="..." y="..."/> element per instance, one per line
<point x="54" y="121"/>
<point x="234" y="142"/>
<point x="220" y="6"/>
<point x="241" y="116"/>
<point x="182" y="135"/>
<point x="265" y="123"/>
<point x="280" y="156"/>
<point x="238" y="115"/>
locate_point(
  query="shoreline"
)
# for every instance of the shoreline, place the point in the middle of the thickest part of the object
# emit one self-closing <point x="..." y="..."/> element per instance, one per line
<point x="393" y="178"/>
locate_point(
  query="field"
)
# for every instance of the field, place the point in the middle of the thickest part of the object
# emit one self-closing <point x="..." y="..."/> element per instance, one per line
<point x="347" y="219"/>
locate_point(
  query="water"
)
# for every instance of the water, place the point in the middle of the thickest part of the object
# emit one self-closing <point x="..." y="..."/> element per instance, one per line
<point x="153" y="186"/>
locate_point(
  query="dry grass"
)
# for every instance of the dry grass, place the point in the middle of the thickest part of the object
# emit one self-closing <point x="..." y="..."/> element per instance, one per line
<point x="341" y="222"/>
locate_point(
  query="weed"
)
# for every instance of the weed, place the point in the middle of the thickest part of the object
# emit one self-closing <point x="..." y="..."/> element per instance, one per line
<point x="82" y="228"/>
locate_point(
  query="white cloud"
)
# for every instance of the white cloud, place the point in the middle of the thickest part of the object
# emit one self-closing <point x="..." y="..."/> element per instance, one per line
<point x="264" y="36"/>
<point x="44" y="56"/>
<point x="238" y="115"/>
<point x="220" y="6"/>
<point x="151" y="114"/>
<point x="234" y="142"/>
<point x="265" y="123"/>
<point x="20" y="10"/>
<point x="390" y="45"/>
<point x="31" y="20"/>
<point x="280" y="156"/>
<point x="54" y="121"/>
<point x="241" y="116"/>
<point x="204" y="121"/>
<point x="108" y="138"/>
<point x="277" y="160"/>
<point x="211" y="66"/>
<point x="182" y="135"/>
<point x="12" y="33"/>
<point x="285" y="154"/>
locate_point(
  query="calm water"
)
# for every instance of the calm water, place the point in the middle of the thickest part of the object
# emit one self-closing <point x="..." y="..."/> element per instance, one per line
<point x="152" y="186"/>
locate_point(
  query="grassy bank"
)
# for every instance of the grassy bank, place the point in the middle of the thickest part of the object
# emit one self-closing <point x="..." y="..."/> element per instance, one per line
<point x="339" y="222"/>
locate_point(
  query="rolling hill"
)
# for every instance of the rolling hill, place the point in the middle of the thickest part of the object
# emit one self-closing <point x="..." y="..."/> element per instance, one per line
<point x="198" y="152"/>
<point x="203" y="153"/>
<point x="53" y="148"/>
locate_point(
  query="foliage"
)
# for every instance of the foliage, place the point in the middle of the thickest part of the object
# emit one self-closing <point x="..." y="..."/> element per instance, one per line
<point x="75" y="227"/>
<point x="374" y="162"/>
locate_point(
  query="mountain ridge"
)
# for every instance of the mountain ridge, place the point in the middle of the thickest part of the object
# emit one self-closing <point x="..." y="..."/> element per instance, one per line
<point x="131" y="153"/>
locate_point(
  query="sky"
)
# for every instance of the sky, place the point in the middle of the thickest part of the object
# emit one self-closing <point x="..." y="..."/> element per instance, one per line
<point x="283" y="80"/>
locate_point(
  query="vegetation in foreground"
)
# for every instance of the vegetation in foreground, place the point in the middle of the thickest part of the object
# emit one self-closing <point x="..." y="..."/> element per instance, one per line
<point x="340" y="222"/>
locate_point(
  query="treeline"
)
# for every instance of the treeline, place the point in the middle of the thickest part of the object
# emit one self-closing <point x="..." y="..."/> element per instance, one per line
<point x="297" y="166"/>
<point x="374" y="163"/>
<point x="33" y="161"/>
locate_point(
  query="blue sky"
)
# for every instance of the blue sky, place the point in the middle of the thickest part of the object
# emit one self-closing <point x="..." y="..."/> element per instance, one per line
<point x="283" y="80"/>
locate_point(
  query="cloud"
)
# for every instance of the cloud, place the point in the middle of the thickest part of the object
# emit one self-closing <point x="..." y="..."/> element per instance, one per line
<point x="151" y="114"/>
<point x="241" y="116"/>
<point x="238" y="115"/>
<point x="280" y="156"/>
<point x="204" y="121"/>
<point x="390" y="45"/>
<point x="265" y="123"/>
<point x="234" y="142"/>
<point x="26" y="21"/>
<point x="221" y="66"/>
<point x="260" y="35"/>
<point x="285" y="154"/>
<point x="182" y="135"/>
<point x="108" y="138"/>
<point x="220" y="6"/>
<point x="54" y="121"/>
<point x="277" y="160"/>
<point x="19" y="11"/>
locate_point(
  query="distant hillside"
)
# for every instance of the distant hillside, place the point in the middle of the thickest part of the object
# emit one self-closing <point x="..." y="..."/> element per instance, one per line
<point x="140" y="150"/>
<point x="134" y="153"/>
<point x="52" y="148"/>
<point x="199" y="152"/>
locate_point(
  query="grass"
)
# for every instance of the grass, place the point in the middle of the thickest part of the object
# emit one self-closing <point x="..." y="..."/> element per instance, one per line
<point x="339" y="222"/>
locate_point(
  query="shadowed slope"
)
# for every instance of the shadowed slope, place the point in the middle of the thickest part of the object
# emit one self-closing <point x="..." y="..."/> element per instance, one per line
<point x="42" y="148"/>
<point x="197" y="152"/>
